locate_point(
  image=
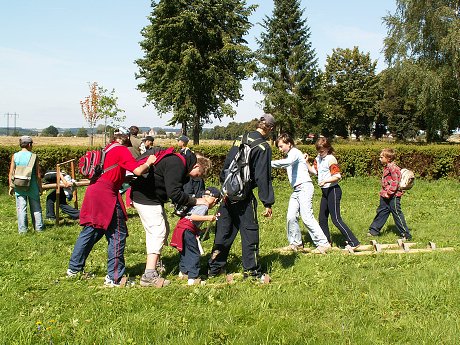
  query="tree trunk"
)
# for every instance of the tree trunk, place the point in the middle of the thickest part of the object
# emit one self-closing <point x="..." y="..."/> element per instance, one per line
<point x="196" y="129"/>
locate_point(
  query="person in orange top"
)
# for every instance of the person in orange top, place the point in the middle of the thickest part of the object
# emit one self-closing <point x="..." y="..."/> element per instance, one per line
<point x="328" y="171"/>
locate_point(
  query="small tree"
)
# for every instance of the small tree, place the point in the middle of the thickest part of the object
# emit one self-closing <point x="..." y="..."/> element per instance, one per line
<point x="100" y="104"/>
<point x="67" y="133"/>
<point x="50" y="131"/>
<point x="82" y="133"/>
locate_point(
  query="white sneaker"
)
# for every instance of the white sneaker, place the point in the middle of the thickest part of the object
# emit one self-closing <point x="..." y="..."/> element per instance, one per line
<point x="71" y="273"/>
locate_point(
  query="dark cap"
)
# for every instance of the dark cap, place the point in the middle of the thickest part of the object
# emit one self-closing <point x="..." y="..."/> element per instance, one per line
<point x="25" y="139"/>
<point x="149" y="138"/>
<point x="213" y="191"/>
<point x="268" y="119"/>
<point x="184" y="138"/>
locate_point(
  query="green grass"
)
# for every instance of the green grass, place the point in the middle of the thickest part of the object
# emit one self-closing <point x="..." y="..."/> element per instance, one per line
<point x="330" y="299"/>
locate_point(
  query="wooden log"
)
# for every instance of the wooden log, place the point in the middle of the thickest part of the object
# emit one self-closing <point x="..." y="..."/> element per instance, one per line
<point x="54" y="185"/>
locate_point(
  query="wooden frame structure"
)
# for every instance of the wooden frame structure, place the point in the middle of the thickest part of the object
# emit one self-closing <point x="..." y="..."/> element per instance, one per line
<point x="58" y="186"/>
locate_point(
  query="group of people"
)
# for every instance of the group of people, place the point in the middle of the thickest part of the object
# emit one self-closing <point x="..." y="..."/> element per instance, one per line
<point x="164" y="175"/>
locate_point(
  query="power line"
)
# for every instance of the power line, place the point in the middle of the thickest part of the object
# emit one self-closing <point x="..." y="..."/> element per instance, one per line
<point x="7" y="115"/>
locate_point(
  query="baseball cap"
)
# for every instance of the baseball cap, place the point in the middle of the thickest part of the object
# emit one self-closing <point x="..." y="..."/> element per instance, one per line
<point x="25" y="139"/>
<point x="122" y="131"/>
<point x="268" y="119"/>
<point x="184" y="138"/>
<point x="213" y="191"/>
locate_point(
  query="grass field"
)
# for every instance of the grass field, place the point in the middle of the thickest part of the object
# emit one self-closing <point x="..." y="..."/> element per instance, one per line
<point x="324" y="299"/>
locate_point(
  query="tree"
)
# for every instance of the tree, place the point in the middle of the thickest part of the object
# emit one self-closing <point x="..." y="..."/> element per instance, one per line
<point x="351" y="88"/>
<point x="67" y="133"/>
<point x="50" y="131"/>
<point x="100" y="104"/>
<point x="195" y="58"/>
<point x="82" y="133"/>
<point x="422" y="43"/>
<point x="288" y="69"/>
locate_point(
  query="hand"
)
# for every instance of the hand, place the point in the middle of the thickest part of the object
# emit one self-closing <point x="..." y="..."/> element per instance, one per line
<point x="11" y="190"/>
<point x="268" y="212"/>
<point x="152" y="159"/>
<point x="322" y="183"/>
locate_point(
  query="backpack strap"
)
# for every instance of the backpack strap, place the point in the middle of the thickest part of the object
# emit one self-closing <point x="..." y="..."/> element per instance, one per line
<point x="32" y="160"/>
<point x="104" y="152"/>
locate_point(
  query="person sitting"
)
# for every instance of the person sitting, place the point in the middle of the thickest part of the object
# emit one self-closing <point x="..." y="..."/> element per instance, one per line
<point x="67" y="181"/>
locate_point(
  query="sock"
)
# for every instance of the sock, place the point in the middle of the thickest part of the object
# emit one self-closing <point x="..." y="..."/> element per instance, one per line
<point x="149" y="273"/>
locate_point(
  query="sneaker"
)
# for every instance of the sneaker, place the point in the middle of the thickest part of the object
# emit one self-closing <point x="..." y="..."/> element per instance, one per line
<point x="369" y="234"/>
<point x="108" y="282"/>
<point x="321" y="249"/>
<point x="71" y="273"/>
<point x="182" y="276"/>
<point x="406" y="237"/>
<point x="196" y="281"/>
<point x="154" y="280"/>
<point x="265" y="278"/>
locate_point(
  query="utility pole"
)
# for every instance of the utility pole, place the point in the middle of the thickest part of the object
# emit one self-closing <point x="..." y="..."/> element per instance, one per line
<point x="15" y="115"/>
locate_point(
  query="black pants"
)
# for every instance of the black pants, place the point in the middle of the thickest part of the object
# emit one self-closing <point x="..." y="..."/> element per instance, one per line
<point x="330" y="205"/>
<point x="190" y="256"/>
<point x="387" y="206"/>
<point x="240" y="216"/>
<point x="67" y="209"/>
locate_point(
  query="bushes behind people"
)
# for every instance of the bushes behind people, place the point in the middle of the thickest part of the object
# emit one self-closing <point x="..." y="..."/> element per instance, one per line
<point x="428" y="161"/>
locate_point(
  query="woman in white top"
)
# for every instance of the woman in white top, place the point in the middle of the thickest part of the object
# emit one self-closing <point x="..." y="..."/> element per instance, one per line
<point x="328" y="171"/>
<point x="301" y="197"/>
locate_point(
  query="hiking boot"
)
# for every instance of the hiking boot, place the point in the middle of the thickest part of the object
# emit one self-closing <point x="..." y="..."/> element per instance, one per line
<point x="153" y="280"/>
<point x="220" y="272"/>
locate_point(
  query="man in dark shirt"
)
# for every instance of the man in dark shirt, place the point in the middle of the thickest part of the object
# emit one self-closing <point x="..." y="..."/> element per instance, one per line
<point x="150" y="193"/>
<point x="242" y="215"/>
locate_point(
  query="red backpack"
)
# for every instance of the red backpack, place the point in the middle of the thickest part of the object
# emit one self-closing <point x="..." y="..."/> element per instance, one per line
<point x="91" y="165"/>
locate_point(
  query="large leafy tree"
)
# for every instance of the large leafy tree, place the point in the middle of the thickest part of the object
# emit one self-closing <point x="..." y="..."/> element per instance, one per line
<point x="288" y="69"/>
<point x="50" y="131"/>
<point x="423" y="42"/>
<point x="352" y="91"/>
<point x="195" y="58"/>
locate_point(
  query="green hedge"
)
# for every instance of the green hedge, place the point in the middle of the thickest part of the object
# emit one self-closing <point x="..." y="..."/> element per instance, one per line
<point x="427" y="161"/>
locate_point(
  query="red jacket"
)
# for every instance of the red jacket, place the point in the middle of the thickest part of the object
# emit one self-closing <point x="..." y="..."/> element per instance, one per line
<point x="177" y="238"/>
<point x="101" y="196"/>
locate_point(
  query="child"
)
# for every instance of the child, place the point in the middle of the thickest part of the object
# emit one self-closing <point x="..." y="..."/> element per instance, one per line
<point x="67" y="195"/>
<point x="328" y="171"/>
<point x="390" y="197"/>
<point x="185" y="235"/>
<point x="301" y="197"/>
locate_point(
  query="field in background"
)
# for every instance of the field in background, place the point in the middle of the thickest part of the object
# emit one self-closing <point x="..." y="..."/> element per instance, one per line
<point x="98" y="141"/>
<point x="330" y="299"/>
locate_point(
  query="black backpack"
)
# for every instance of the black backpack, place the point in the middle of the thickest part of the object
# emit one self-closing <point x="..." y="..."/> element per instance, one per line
<point x="237" y="183"/>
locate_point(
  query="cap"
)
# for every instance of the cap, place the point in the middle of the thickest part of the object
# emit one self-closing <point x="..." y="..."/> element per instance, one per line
<point x="184" y="138"/>
<point x="149" y="138"/>
<point x="268" y="119"/>
<point x="25" y="139"/>
<point x="122" y="131"/>
<point x="213" y="191"/>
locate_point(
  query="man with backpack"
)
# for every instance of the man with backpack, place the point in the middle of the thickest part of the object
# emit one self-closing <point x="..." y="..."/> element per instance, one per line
<point x="150" y="193"/>
<point x="239" y="208"/>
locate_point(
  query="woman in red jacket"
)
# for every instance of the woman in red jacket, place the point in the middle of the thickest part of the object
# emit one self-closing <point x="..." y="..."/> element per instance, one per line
<point x="103" y="212"/>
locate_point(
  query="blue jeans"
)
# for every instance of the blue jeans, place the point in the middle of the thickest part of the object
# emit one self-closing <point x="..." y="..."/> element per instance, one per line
<point x="190" y="256"/>
<point x="35" y="213"/>
<point x="115" y="234"/>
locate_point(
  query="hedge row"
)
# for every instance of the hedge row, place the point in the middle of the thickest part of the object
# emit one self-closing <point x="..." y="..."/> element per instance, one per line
<point x="429" y="161"/>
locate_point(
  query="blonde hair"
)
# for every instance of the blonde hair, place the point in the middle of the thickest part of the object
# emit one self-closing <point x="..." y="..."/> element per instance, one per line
<point x="389" y="154"/>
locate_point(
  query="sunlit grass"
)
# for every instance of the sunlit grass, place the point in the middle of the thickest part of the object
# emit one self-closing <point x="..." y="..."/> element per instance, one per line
<point x="330" y="299"/>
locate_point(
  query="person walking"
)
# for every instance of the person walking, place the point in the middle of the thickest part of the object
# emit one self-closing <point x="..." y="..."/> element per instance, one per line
<point x="301" y="200"/>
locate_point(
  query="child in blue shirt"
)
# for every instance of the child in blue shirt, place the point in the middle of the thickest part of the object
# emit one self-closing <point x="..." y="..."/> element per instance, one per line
<point x="186" y="233"/>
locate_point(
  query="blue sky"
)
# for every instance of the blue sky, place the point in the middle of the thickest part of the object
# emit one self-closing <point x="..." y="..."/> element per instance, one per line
<point x="51" y="49"/>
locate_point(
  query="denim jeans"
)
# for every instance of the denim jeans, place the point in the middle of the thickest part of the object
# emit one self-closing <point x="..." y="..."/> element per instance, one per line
<point x="115" y="234"/>
<point x="301" y="202"/>
<point x="35" y="212"/>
